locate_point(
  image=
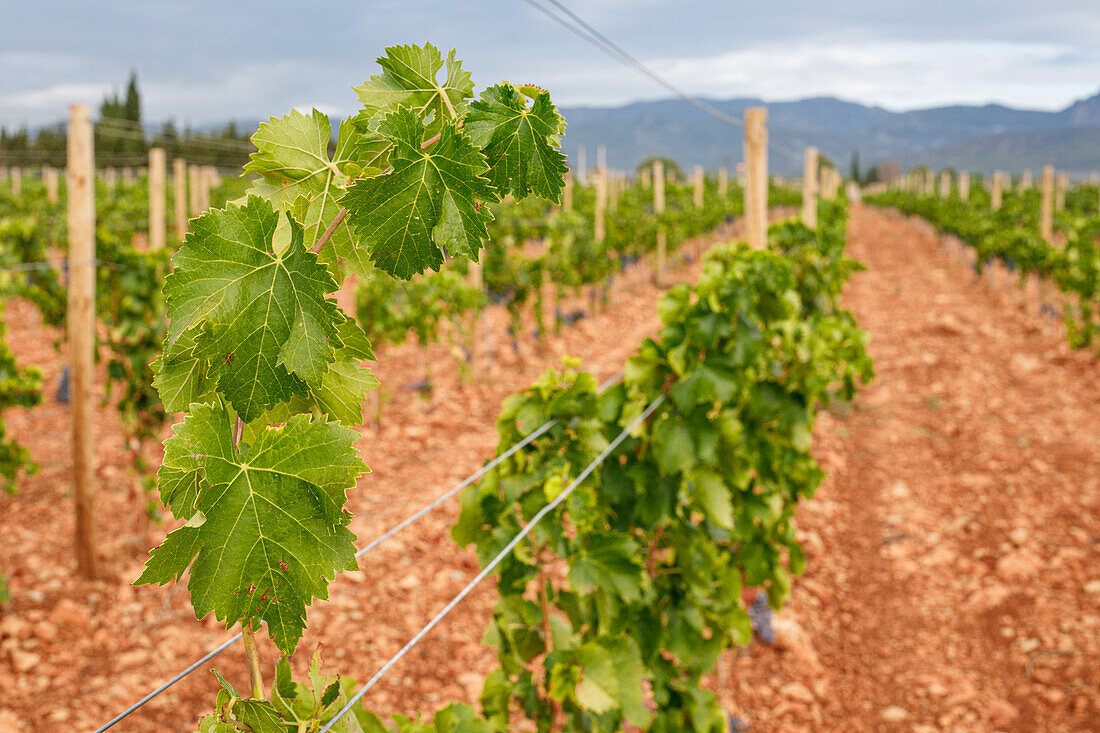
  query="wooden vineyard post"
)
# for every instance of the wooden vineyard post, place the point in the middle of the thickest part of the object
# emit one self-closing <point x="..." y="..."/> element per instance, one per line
<point x="756" y="181"/>
<point x="658" y="209"/>
<point x="567" y="195"/>
<point x="612" y="190"/>
<point x="16" y="182"/>
<point x="600" y="227"/>
<point x="49" y="177"/>
<point x="582" y="167"/>
<point x="204" y="188"/>
<point x="179" y="203"/>
<point x="945" y="184"/>
<point x="157" y="220"/>
<point x="698" y="181"/>
<point x="110" y="176"/>
<point x="1026" y="181"/>
<point x="809" y="188"/>
<point x="193" y="194"/>
<point x="127" y="176"/>
<point x="964" y="186"/>
<point x="81" y="318"/>
<point x="929" y="182"/>
<point x="1046" y="226"/>
<point x="1046" y="210"/>
<point x="209" y="183"/>
<point x="723" y="183"/>
<point x="997" y="194"/>
<point x="1061" y="182"/>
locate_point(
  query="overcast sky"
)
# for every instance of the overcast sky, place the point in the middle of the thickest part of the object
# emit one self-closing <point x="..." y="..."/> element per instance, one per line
<point x="203" y="61"/>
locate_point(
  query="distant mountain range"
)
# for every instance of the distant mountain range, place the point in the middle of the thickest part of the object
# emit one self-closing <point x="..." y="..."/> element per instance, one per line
<point x="979" y="138"/>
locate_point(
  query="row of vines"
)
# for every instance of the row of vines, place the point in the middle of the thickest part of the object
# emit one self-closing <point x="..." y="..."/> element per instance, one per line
<point x="1011" y="236"/>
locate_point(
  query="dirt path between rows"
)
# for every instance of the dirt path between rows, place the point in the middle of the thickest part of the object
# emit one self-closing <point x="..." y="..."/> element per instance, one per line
<point x="954" y="550"/>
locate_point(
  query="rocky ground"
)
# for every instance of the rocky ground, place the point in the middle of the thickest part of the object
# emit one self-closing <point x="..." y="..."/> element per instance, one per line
<point x="953" y="579"/>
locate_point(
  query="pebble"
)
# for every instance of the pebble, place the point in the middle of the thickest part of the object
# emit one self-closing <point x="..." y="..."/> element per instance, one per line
<point x="894" y="714"/>
<point x="70" y="614"/>
<point x="1001" y="712"/>
<point x="792" y="638"/>
<point x="1018" y="565"/>
<point x="797" y="691"/>
<point x="24" y="661"/>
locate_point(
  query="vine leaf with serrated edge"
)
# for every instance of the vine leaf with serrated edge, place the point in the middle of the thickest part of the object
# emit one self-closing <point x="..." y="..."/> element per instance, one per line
<point x="300" y="177"/>
<point x="409" y="78"/>
<point x="259" y="319"/>
<point x="433" y="199"/>
<point x="271" y="530"/>
<point x="520" y="142"/>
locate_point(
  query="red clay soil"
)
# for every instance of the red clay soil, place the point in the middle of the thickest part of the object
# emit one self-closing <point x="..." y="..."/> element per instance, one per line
<point x="953" y="580"/>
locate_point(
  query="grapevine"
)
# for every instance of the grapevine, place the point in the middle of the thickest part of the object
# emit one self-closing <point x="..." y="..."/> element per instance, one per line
<point x="266" y="366"/>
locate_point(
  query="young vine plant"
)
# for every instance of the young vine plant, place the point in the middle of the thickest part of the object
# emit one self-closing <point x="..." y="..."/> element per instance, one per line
<point x="267" y="368"/>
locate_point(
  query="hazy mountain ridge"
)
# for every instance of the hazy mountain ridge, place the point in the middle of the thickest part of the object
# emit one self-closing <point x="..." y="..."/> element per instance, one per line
<point x="979" y="137"/>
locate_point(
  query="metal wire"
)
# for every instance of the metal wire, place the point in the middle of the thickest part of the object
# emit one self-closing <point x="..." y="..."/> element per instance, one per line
<point x="535" y="434"/>
<point x="198" y="663"/>
<point x="474" y="476"/>
<point x="587" y="32"/>
<point x="58" y="265"/>
<point x="526" y="530"/>
<point x="106" y="128"/>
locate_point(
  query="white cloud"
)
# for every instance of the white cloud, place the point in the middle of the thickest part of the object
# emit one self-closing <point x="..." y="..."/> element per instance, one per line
<point x="895" y="74"/>
<point x="52" y="101"/>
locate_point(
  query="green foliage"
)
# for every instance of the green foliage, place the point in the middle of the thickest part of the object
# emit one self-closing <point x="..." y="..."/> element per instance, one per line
<point x="18" y="387"/>
<point x="696" y="503"/>
<point x="254" y="320"/>
<point x="267" y="528"/>
<point x="268" y="369"/>
<point x="519" y="141"/>
<point x="432" y="199"/>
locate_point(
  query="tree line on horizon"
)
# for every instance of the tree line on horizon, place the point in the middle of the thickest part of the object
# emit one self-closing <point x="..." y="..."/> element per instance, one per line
<point x="121" y="138"/>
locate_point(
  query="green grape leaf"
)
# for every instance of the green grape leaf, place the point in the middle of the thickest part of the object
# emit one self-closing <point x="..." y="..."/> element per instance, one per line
<point x="432" y="199"/>
<point x="409" y="78"/>
<point x="608" y="562"/>
<point x="713" y="495"/>
<point x="260" y="319"/>
<point x="343" y="389"/>
<point x="299" y="176"/>
<point x="274" y="529"/>
<point x="180" y="377"/>
<point x="631" y="674"/>
<point x="599" y="685"/>
<point x="520" y="142"/>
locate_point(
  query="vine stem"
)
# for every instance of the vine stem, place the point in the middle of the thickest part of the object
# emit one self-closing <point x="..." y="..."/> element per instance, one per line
<point x="253" y="657"/>
<point x="251" y="654"/>
<point x="556" y="722"/>
<point x="327" y="235"/>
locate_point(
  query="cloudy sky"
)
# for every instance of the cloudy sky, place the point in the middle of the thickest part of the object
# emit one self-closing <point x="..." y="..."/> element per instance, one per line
<point x="203" y="61"/>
